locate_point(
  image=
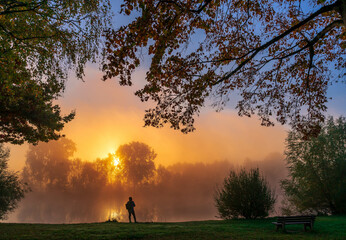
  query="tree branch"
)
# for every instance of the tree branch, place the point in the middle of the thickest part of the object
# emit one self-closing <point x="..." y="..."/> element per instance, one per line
<point x="284" y="34"/>
<point x="20" y="4"/>
<point x="198" y="10"/>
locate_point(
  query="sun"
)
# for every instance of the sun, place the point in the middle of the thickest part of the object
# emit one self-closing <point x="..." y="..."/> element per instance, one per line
<point x="115" y="161"/>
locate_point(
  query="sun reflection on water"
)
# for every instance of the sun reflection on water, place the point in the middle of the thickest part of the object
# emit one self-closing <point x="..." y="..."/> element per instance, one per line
<point x="114" y="216"/>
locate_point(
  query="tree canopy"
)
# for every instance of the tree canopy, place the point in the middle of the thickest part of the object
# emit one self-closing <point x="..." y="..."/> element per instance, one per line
<point x="40" y="42"/>
<point x="136" y="162"/>
<point x="317" y="169"/>
<point x="277" y="55"/>
<point x="47" y="165"/>
<point x="67" y="189"/>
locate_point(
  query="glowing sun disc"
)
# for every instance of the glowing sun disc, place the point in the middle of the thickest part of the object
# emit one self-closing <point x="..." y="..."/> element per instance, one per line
<point x="115" y="161"/>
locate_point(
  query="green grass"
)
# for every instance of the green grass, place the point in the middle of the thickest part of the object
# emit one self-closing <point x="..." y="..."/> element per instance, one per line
<point x="325" y="228"/>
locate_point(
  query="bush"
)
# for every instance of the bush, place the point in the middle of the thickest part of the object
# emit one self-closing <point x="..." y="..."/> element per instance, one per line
<point x="11" y="189"/>
<point x="244" y="194"/>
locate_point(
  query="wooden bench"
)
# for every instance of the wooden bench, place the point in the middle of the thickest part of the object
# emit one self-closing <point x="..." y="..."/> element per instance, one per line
<point x="308" y="221"/>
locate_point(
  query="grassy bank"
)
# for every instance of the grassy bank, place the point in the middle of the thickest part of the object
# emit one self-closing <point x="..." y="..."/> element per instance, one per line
<point x="325" y="228"/>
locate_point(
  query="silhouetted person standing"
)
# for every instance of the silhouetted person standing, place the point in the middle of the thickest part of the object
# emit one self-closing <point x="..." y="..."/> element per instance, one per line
<point x="130" y="205"/>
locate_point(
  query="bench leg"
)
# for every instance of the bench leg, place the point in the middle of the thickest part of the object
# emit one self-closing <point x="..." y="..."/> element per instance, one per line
<point x="278" y="226"/>
<point x="307" y="225"/>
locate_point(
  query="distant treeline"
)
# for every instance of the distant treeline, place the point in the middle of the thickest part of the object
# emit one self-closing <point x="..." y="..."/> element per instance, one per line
<point x="65" y="190"/>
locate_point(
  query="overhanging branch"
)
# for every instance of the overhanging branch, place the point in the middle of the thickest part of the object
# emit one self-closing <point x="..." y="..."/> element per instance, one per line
<point x="255" y="51"/>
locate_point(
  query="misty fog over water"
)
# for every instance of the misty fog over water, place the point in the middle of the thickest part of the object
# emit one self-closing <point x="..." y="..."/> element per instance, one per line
<point x="69" y="190"/>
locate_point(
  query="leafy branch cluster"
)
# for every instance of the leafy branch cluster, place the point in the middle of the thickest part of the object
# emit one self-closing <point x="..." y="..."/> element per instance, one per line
<point x="40" y="42"/>
<point x="277" y="54"/>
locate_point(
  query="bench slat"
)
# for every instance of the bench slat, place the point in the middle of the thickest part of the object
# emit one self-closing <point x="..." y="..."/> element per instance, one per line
<point x="290" y="220"/>
<point x="290" y="223"/>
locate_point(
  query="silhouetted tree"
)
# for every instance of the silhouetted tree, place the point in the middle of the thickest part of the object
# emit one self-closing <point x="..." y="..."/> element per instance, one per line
<point x="317" y="169"/>
<point x="136" y="162"/>
<point x="40" y="41"/>
<point x="109" y="167"/>
<point x="11" y="189"/>
<point x="244" y="194"/>
<point x="48" y="164"/>
<point x="276" y="54"/>
<point x="63" y="189"/>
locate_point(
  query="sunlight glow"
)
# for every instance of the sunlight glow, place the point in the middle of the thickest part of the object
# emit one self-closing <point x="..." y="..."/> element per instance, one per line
<point x="114" y="216"/>
<point x="115" y="161"/>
